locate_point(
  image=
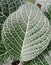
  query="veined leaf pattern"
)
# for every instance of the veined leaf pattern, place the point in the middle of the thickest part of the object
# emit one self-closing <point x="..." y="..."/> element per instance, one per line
<point x="43" y="59"/>
<point x="6" y="8"/>
<point x="26" y="32"/>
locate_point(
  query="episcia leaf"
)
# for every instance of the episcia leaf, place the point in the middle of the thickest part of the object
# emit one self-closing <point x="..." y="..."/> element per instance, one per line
<point x="47" y="12"/>
<point x="6" y="8"/>
<point x="42" y="59"/>
<point x="26" y="33"/>
<point x="3" y="54"/>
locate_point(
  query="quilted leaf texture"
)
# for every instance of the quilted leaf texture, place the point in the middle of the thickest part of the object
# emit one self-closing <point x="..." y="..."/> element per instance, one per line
<point x="43" y="59"/>
<point x="26" y="33"/>
<point x="6" y="8"/>
<point x="47" y="13"/>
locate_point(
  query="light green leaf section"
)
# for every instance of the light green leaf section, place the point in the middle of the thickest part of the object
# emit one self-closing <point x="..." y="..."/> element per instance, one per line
<point x="42" y="59"/>
<point x="3" y="54"/>
<point x="47" y="13"/>
<point x="6" y="8"/>
<point x="26" y="33"/>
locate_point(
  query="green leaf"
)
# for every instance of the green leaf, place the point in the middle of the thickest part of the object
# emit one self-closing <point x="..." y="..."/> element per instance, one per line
<point x="6" y="8"/>
<point x="42" y="59"/>
<point x="3" y="54"/>
<point x="47" y="12"/>
<point x="26" y="33"/>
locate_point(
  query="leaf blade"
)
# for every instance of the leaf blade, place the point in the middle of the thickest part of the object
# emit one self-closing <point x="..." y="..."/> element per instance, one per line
<point x="18" y="28"/>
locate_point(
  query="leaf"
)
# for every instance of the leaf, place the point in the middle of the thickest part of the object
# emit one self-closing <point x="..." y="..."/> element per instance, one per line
<point x="42" y="59"/>
<point x="6" y="8"/>
<point x="47" y="12"/>
<point x="26" y="33"/>
<point x="45" y="57"/>
<point x="3" y="54"/>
